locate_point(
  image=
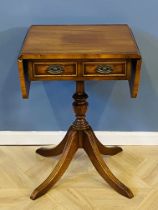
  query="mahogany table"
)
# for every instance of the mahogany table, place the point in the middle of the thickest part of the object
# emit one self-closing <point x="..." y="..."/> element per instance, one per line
<point x="79" y="53"/>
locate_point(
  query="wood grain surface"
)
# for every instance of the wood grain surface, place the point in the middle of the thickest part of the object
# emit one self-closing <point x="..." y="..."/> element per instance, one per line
<point x="80" y="41"/>
<point x="79" y="44"/>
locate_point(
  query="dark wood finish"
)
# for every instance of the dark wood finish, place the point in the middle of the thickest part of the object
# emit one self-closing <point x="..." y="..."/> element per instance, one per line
<point x="118" y="68"/>
<point x="39" y="70"/>
<point x="23" y="75"/>
<point x="134" y="80"/>
<point x="48" y="152"/>
<point x="81" y="45"/>
<point x="79" y="41"/>
<point x="91" y="149"/>
<point x="70" y="148"/>
<point x="80" y="135"/>
<point x="106" y="150"/>
<point x="80" y="52"/>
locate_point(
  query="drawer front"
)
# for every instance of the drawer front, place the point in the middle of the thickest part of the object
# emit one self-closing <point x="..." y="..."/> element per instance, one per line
<point x="104" y="69"/>
<point x="52" y="70"/>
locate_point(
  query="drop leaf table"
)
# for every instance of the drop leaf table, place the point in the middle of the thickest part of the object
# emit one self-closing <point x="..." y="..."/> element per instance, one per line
<point x="79" y="53"/>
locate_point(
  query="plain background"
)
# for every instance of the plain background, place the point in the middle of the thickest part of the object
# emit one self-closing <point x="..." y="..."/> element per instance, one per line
<point x="49" y="105"/>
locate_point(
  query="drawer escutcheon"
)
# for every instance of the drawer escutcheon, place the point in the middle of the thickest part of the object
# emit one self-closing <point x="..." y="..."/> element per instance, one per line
<point x="104" y="69"/>
<point x="55" y="69"/>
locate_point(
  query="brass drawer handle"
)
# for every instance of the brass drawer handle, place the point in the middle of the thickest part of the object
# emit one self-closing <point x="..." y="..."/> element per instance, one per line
<point x="55" y="69"/>
<point x="104" y="69"/>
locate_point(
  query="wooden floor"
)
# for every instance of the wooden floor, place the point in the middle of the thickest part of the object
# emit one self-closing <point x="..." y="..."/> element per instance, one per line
<point x="81" y="188"/>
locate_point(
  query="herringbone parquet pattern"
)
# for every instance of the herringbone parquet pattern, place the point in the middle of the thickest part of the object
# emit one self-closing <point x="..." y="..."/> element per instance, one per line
<point x="81" y="188"/>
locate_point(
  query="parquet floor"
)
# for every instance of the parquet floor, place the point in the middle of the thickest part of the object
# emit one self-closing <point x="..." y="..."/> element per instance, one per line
<point x="81" y="188"/>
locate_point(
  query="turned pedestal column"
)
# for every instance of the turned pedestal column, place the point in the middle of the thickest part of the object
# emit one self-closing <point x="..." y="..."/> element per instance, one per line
<point x="80" y="135"/>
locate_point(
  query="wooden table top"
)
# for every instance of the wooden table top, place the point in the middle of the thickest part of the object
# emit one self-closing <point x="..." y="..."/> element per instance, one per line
<point x="79" y="41"/>
<point x="80" y="50"/>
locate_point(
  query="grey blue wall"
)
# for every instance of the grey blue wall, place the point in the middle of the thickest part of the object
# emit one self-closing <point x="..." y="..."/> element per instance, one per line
<point x="49" y="105"/>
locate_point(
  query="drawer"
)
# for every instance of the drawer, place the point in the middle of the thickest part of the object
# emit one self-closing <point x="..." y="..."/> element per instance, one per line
<point x="52" y="70"/>
<point x="105" y="69"/>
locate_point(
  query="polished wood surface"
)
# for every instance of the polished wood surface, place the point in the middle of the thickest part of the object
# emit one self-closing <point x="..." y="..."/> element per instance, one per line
<point x="80" y="49"/>
<point x="39" y="70"/>
<point x="77" y="70"/>
<point x="69" y="151"/>
<point x="79" y="53"/>
<point x="80" y="135"/>
<point x="81" y="188"/>
<point x="24" y="79"/>
<point x="118" y="68"/>
<point x="81" y="40"/>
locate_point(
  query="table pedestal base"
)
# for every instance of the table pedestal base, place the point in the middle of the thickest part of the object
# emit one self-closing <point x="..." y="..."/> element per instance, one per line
<point x="80" y="135"/>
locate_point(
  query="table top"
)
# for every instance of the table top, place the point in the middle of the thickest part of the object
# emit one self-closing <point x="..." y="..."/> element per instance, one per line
<point x="79" y="52"/>
<point x="79" y="41"/>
